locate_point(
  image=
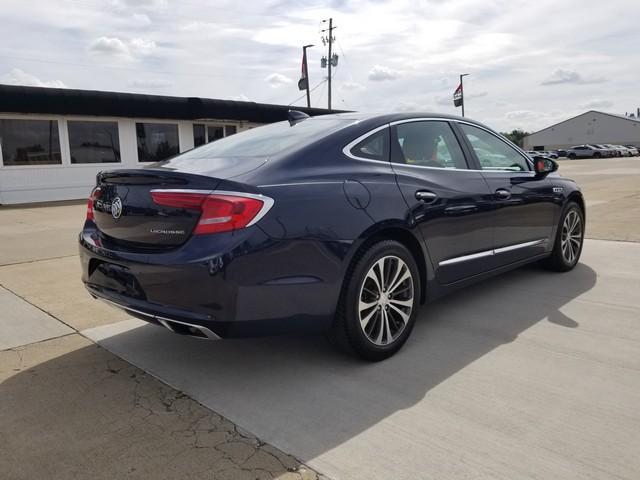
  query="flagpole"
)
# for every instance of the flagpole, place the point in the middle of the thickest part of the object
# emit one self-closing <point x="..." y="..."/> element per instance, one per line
<point x="462" y="92"/>
<point x="306" y="72"/>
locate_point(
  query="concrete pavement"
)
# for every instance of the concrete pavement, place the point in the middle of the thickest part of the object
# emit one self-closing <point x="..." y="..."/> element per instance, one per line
<point x="70" y="409"/>
<point x="530" y="375"/>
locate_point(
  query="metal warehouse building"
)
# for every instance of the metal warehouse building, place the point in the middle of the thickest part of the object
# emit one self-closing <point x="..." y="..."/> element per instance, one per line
<point x="54" y="141"/>
<point x="590" y="127"/>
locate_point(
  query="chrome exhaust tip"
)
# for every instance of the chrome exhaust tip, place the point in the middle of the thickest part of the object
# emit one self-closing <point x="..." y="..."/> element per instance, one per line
<point x="184" y="328"/>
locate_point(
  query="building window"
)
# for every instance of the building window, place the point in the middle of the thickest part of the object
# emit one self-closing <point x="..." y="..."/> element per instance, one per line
<point x="93" y="142"/>
<point x="198" y="134"/>
<point x="157" y="141"/>
<point x="230" y="130"/>
<point x="30" y="142"/>
<point x="214" y="133"/>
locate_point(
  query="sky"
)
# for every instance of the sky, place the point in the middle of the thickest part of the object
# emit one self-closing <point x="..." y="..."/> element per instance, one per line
<point x="530" y="63"/>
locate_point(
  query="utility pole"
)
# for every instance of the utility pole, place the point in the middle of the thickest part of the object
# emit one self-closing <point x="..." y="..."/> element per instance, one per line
<point x="462" y="89"/>
<point x="306" y="72"/>
<point x="331" y="59"/>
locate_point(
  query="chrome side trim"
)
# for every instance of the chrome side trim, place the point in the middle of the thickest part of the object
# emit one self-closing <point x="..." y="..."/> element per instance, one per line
<point x="520" y="245"/>
<point x="267" y="202"/>
<point x="349" y="146"/>
<point x="495" y="251"/>
<point x="165" y="322"/>
<point x="466" y="258"/>
<point x="347" y="149"/>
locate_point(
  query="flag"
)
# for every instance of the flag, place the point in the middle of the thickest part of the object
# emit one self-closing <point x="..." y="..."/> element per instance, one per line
<point x="304" y="79"/>
<point x="457" y="96"/>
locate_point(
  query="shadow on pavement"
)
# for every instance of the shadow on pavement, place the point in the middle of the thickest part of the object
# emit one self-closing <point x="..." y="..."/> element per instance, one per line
<point x="298" y="393"/>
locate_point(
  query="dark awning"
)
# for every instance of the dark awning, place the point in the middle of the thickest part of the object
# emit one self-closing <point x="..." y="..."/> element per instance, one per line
<point x="63" y="101"/>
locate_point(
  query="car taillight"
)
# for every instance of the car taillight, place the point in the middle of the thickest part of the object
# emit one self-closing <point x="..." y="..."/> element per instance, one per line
<point x="219" y="212"/>
<point x="95" y="194"/>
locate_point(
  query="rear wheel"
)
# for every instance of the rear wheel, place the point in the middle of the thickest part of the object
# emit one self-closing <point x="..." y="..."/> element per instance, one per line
<point x="572" y="156"/>
<point x="596" y="155"/>
<point x="379" y="302"/>
<point x="569" y="239"/>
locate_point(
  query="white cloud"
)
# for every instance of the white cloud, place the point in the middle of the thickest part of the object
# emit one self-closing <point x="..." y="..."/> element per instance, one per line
<point x="570" y="76"/>
<point x="596" y="103"/>
<point x="109" y="46"/>
<point x="142" y="46"/>
<point x="277" y="79"/>
<point x="118" y="48"/>
<point x="19" y="77"/>
<point x="380" y="73"/>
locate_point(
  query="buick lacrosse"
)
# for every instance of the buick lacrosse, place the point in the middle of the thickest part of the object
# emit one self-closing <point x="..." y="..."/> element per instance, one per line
<point x="342" y="223"/>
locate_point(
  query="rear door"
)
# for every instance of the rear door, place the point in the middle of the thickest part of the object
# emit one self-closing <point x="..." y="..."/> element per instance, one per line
<point x="450" y="203"/>
<point x="525" y="210"/>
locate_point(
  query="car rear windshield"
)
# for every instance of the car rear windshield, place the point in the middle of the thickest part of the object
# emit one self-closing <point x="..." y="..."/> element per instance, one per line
<point x="265" y="141"/>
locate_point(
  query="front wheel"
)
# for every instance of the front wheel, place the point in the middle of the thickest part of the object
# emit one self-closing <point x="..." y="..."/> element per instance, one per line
<point x="569" y="239"/>
<point x="379" y="302"/>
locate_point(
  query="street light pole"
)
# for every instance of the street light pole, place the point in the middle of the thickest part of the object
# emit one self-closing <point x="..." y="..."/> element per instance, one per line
<point x="306" y="72"/>
<point x="462" y="90"/>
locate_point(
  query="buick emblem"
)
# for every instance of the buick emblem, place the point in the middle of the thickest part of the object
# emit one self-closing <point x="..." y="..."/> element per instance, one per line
<point x="116" y="208"/>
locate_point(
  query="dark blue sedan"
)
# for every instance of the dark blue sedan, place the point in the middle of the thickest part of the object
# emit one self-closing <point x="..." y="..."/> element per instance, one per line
<point x="340" y="223"/>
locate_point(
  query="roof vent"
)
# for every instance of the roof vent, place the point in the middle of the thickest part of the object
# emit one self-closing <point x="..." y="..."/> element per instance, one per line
<point x="296" y="116"/>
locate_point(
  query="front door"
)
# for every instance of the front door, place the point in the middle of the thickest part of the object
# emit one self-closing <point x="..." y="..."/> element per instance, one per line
<point x="524" y="202"/>
<point x="450" y="203"/>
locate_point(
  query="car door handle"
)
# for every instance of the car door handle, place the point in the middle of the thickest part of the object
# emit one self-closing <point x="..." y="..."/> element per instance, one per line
<point x="503" y="194"/>
<point x="426" y="196"/>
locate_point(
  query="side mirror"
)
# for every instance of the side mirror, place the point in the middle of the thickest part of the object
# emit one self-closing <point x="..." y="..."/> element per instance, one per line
<point x="544" y="165"/>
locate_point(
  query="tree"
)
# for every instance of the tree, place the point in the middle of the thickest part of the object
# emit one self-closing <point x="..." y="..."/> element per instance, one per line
<point x="516" y="136"/>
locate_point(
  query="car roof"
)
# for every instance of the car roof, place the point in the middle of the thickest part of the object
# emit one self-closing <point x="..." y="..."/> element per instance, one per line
<point x="395" y="116"/>
<point x="374" y="119"/>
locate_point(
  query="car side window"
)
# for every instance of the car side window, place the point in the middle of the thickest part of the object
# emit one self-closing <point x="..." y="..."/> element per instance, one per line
<point x="374" y="147"/>
<point x="427" y="144"/>
<point x="493" y="153"/>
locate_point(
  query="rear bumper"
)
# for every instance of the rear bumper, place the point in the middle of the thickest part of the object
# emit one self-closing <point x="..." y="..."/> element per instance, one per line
<point x="234" y="285"/>
<point x="176" y="326"/>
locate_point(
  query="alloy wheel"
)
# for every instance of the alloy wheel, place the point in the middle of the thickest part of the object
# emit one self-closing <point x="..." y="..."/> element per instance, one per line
<point x="386" y="300"/>
<point x="571" y="239"/>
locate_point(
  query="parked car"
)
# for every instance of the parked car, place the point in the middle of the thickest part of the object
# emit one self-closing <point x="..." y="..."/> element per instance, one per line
<point x="561" y="152"/>
<point x="342" y="223"/>
<point x="619" y="150"/>
<point x="633" y="150"/>
<point x="605" y="152"/>
<point x="544" y="153"/>
<point x="584" y="151"/>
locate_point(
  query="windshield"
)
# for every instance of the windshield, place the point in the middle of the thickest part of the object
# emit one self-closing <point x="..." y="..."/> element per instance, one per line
<point x="263" y="141"/>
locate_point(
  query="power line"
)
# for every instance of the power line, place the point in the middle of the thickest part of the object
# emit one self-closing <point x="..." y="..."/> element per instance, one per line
<point x="311" y="90"/>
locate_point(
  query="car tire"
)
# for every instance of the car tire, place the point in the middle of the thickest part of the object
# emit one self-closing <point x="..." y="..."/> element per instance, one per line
<point x="379" y="302"/>
<point x="597" y="155"/>
<point x="572" y="156"/>
<point x="569" y="240"/>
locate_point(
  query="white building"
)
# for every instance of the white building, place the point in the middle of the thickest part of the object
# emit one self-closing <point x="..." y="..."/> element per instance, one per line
<point x="53" y="141"/>
<point x="589" y="127"/>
